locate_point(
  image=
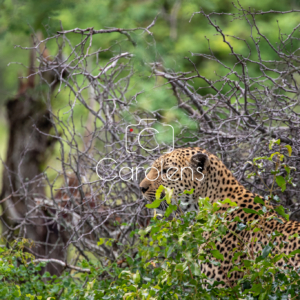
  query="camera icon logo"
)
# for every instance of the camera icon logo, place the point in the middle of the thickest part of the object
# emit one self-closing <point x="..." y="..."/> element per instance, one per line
<point x="135" y="133"/>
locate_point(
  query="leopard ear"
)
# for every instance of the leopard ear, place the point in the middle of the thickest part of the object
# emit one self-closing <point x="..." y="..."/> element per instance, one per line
<point x="199" y="161"/>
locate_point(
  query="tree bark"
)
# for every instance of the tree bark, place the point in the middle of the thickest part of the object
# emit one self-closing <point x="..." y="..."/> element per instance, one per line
<point x="27" y="151"/>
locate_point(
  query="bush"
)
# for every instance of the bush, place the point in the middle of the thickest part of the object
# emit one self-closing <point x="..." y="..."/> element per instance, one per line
<point x="170" y="253"/>
<point x="167" y="266"/>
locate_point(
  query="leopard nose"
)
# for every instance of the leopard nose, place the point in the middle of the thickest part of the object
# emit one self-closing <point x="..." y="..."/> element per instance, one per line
<point x="144" y="189"/>
<point x="144" y="186"/>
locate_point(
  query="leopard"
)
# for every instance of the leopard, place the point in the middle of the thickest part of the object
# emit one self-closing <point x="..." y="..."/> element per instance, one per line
<point x="195" y="168"/>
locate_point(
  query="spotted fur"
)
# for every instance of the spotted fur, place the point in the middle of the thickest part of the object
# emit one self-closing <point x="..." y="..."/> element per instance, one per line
<point x="208" y="176"/>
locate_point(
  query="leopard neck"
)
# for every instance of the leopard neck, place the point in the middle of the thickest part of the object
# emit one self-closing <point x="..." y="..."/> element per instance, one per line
<point x="219" y="184"/>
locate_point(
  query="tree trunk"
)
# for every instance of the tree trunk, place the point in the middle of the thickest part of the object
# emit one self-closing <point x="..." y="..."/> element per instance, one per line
<point x="28" y="116"/>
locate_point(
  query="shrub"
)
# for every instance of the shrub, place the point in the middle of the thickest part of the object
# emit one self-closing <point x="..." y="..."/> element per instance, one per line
<point x="167" y="266"/>
<point x="170" y="253"/>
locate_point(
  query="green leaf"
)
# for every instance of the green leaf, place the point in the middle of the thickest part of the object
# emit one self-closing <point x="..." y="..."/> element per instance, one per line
<point x="278" y="220"/>
<point x="260" y="158"/>
<point x="154" y="204"/>
<point x="241" y="226"/>
<point x="259" y="200"/>
<point x="263" y="296"/>
<point x="295" y="235"/>
<point x="280" y="211"/>
<point x="295" y="252"/>
<point x="256" y="288"/>
<point x="137" y="277"/>
<point x="170" y="250"/>
<point x="251" y="211"/>
<point x="159" y="191"/>
<point x="280" y="156"/>
<point x="236" y="256"/>
<point x="237" y="219"/>
<point x="101" y="241"/>
<point x="222" y="229"/>
<point x="189" y="192"/>
<point x="170" y="209"/>
<point x="19" y="292"/>
<point x="180" y="267"/>
<point x="289" y="148"/>
<point x="247" y="263"/>
<point x="217" y="254"/>
<point x="264" y="209"/>
<point x="231" y="203"/>
<point x="169" y="193"/>
<point x="272" y="142"/>
<point x="195" y="269"/>
<point x="281" y="182"/>
<point x="278" y="257"/>
<point x="276" y="198"/>
<point x="266" y="251"/>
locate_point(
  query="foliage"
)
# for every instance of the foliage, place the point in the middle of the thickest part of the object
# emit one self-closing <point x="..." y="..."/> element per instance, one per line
<point x="168" y="262"/>
<point x="279" y="167"/>
<point x="166" y="267"/>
